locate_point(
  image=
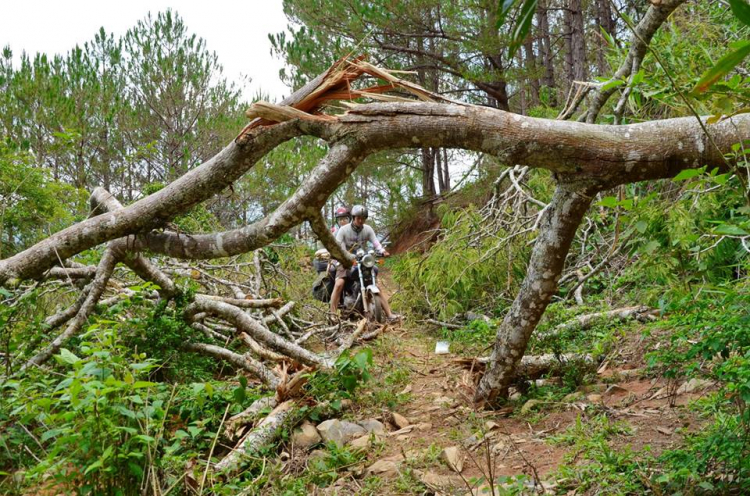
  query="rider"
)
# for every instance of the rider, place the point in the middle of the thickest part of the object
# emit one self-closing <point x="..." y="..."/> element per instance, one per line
<point x="349" y="235"/>
<point x="343" y="217"/>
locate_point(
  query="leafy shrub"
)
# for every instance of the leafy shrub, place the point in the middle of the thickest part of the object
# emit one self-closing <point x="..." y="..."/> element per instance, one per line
<point x="462" y="271"/>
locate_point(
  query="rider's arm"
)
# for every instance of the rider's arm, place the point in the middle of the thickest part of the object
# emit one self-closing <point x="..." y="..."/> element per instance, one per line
<point x="374" y="239"/>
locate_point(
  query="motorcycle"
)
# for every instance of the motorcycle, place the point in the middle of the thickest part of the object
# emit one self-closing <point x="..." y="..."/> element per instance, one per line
<point x="361" y="295"/>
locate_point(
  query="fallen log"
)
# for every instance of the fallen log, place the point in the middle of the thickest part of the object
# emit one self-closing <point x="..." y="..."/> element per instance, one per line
<point x="260" y="437"/>
<point x="531" y="365"/>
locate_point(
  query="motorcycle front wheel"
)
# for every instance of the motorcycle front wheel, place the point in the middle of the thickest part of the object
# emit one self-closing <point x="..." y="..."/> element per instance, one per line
<point x="376" y="309"/>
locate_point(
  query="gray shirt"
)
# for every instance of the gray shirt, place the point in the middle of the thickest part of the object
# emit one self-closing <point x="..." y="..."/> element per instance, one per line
<point x="347" y="237"/>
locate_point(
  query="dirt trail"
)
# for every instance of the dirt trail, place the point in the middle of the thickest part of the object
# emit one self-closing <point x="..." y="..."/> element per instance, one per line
<point x="434" y="393"/>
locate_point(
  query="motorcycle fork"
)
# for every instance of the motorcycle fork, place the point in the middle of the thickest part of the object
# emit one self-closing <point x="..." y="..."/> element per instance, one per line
<point x="363" y="292"/>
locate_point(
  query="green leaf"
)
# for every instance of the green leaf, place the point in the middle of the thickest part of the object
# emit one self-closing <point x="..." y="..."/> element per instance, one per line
<point x="741" y="11"/>
<point x="239" y="394"/>
<point x="641" y="226"/>
<point x="721" y="68"/>
<point x="522" y="27"/>
<point x="730" y="230"/>
<point x="613" y="84"/>
<point x="608" y="201"/>
<point x="503" y="10"/>
<point x="689" y="174"/>
<point x="142" y="384"/>
<point x="67" y="356"/>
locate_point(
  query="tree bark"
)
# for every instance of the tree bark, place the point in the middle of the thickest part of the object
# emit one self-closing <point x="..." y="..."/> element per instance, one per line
<point x="557" y="230"/>
<point x="607" y="24"/>
<point x="578" y="42"/>
<point x="545" y="51"/>
<point x="531" y="72"/>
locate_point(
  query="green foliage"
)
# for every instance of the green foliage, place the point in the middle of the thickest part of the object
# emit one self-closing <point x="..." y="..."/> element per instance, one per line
<point x="462" y="269"/>
<point x="350" y="372"/>
<point x="711" y="340"/>
<point x="99" y="425"/>
<point x="604" y="469"/>
<point x="32" y="203"/>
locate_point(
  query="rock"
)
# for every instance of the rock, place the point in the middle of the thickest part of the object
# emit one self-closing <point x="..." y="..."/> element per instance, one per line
<point x="470" y="316"/>
<point x="306" y="436"/>
<point x="340" y="431"/>
<point x="530" y="405"/>
<point x="693" y="385"/>
<point x="515" y="396"/>
<point x="453" y="458"/>
<point x="373" y="426"/>
<point x="405" y="430"/>
<point x="500" y="447"/>
<point x="594" y="398"/>
<point x="400" y="421"/>
<point x="443" y="401"/>
<point x="489" y="425"/>
<point x="437" y="482"/>
<point x="361" y="442"/>
<point x="317" y="459"/>
<point x="574" y="396"/>
<point x="423" y="426"/>
<point x="615" y="389"/>
<point x="664" y="430"/>
<point x="406" y="390"/>
<point x="386" y="468"/>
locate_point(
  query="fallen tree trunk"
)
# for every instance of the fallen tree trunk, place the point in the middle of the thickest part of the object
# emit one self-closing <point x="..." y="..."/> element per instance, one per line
<point x="260" y="437"/>
<point x="241" y="361"/>
<point x="531" y="366"/>
<point x="585" y="321"/>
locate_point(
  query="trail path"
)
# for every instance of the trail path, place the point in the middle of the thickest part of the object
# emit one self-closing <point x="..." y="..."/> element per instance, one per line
<point x="628" y="409"/>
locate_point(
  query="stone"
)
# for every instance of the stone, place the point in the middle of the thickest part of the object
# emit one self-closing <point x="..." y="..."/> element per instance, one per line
<point x="443" y="401"/>
<point x="693" y="385"/>
<point x="594" y="398"/>
<point x="400" y="421"/>
<point x="437" y="482"/>
<point x="405" y="430"/>
<point x="615" y="389"/>
<point x="340" y="431"/>
<point x="306" y="436"/>
<point x="572" y="397"/>
<point x="453" y="458"/>
<point x="515" y="396"/>
<point x="373" y="426"/>
<point x="361" y="442"/>
<point x="529" y="406"/>
<point x="385" y="468"/>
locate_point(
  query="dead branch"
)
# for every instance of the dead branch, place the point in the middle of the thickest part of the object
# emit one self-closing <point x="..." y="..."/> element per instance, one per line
<point x="244" y="362"/>
<point x="260" y="437"/>
<point x="248" y="415"/>
<point x="244" y="323"/>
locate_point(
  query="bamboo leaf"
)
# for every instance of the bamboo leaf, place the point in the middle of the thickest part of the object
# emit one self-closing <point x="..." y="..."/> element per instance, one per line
<point x="722" y="67"/>
<point x="741" y="10"/>
<point x="522" y="26"/>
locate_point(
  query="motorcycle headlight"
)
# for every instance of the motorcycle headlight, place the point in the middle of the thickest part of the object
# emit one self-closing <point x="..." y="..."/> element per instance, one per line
<point x="368" y="261"/>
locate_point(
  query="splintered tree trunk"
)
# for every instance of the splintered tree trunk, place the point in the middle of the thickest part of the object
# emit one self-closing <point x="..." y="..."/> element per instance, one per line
<point x="556" y="233"/>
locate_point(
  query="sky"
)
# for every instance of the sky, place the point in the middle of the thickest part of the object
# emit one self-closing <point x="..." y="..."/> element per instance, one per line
<point x="236" y="31"/>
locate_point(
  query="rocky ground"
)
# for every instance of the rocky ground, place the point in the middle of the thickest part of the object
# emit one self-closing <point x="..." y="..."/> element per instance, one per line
<point x="416" y="431"/>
